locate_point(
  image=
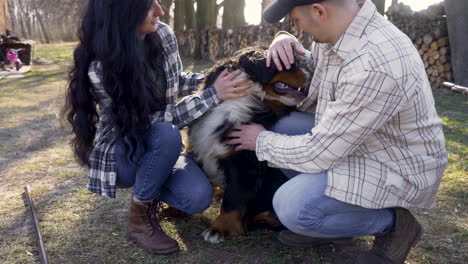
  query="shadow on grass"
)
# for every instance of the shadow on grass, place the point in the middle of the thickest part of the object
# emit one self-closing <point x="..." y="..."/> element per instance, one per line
<point x="31" y="136"/>
<point x="31" y="81"/>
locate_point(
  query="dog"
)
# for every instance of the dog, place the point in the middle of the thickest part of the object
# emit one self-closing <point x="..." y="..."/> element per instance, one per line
<point x="249" y="185"/>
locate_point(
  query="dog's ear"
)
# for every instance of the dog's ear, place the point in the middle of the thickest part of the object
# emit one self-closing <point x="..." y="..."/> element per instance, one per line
<point x="257" y="69"/>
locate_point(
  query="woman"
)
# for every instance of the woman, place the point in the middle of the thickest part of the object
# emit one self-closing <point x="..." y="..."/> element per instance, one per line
<point x="124" y="105"/>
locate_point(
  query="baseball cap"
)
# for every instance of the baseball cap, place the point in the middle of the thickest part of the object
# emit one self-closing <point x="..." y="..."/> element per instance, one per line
<point x="280" y="8"/>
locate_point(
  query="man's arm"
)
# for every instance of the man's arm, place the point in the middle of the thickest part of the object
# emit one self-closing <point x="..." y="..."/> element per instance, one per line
<point x="363" y="103"/>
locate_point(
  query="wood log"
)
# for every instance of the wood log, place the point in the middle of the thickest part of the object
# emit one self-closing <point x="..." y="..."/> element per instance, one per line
<point x="427" y="38"/>
<point x="419" y="41"/>
<point x="431" y="60"/>
<point x="435" y="55"/>
<point x="434" y="45"/>
<point x="425" y="47"/>
<point x="426" y="57"/>
<point x="426" y="64"/>
<point x="429" y="71"/>
<point x="440" y="68"/>
<point x="442" y="42"/>
<point x="448" y="76"/>
<point x="443" y="59"/>
<point x="443" y="51"/>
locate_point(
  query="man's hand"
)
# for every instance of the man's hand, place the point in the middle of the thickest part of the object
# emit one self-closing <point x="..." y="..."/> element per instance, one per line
<point x="245" y="136"/>
<point x="282" y="49"/>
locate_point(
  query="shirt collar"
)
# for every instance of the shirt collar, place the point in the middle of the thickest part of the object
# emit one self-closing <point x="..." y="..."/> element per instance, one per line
<point x="350" y="38"/>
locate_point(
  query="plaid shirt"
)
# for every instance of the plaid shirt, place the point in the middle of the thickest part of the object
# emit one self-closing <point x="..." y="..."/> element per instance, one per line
<point x="376" y="132"/>
<point x="180" y="112"/>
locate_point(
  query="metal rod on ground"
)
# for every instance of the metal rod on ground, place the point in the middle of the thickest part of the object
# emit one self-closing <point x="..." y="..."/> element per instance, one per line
<point x="40" y="243"/>
<point x="456" y="88"/>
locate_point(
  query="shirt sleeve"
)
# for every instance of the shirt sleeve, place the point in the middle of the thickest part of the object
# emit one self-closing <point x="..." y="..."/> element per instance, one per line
<point x="181" y="114"/>
<point x="188" y="81"/>
<point x="188" y="109"/>
<point x="363" y="103"/>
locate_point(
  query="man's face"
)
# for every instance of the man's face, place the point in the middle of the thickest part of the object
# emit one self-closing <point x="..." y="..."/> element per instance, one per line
<point x="307" y="18"/>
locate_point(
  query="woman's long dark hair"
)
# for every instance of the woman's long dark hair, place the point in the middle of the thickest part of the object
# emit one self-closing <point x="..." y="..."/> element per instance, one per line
<point x="109" y="34"/>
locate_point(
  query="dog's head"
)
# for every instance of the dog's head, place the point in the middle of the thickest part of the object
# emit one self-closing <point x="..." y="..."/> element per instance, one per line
<point x="287" y="87"/>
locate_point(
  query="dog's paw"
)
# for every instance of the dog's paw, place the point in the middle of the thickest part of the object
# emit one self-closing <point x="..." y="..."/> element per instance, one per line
<point x="212" y="236"/>
<point x="226" y="226"/>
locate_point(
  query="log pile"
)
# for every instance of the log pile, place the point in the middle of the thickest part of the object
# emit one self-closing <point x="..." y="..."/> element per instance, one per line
<point x="428" y="31"/>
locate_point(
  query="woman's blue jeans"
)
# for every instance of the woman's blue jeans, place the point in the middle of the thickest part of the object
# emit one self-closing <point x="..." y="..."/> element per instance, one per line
<point x="153" y="165"/>
<point x="303" y="208"/>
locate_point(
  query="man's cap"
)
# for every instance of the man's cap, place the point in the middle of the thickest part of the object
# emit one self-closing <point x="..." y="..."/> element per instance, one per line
<point x="280" y="8"/>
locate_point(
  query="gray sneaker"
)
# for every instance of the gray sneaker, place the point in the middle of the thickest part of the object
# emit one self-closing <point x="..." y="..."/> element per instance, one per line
<point x="292" y="239"/>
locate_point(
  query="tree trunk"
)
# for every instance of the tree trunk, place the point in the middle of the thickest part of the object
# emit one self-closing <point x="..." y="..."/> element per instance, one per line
<point x="41" y="23"/>
<point x="4" y="18"/>
<point x="190" y="21"/>
<point x="380" y="4"/>
<point x="233" y="15"/>
<point x="166" y="5"/>
<point x="207" y="13"/>
<point x="179" y="15"/>
<point x="25" y="25"/>
<point x="457" y="23"/>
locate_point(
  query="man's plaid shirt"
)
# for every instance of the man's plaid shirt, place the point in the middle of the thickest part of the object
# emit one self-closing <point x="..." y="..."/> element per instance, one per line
<point x="180" y="112"/>
<point x="376" y="132"/>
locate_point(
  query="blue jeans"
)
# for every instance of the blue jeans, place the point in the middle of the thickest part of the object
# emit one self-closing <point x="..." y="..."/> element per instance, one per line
<point x="303" y="208"/>
<point x="154" y="166"/>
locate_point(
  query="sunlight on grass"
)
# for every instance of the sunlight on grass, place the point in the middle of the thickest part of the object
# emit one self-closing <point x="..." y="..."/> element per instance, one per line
<point x="79" y="227"/>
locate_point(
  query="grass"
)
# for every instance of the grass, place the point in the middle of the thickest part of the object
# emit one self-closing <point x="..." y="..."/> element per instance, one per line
<point x="79" y="227"/>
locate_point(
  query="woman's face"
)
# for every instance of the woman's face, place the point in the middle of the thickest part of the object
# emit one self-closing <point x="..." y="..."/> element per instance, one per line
<point x="150" y="24"/>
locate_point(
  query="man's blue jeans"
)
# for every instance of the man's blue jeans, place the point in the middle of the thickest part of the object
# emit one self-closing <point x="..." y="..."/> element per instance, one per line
<point x="303" y="208"/>
<point x="154" y="166"/>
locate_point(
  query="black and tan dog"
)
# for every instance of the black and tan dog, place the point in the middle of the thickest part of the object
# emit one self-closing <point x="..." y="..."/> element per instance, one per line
<point x="248" y="184"/>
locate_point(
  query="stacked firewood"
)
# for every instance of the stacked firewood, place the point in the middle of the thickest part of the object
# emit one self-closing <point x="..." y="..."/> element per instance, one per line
<point x="229" y="46"/>
<point x="191" y="36"/>
<point x="428" y="31"/>
<point x="214" y="43"/>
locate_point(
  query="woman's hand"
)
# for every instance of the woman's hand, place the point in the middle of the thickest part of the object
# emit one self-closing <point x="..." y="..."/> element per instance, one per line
<point x="244" y="137"/>
<point x="228" y="87"/>
<point x="282" y="49"/>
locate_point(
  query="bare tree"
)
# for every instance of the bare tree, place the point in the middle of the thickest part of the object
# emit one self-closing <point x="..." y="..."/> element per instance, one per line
<point x="233" y="15"/>
<point x="4" y="18"/>
<point x="207" y="12"/>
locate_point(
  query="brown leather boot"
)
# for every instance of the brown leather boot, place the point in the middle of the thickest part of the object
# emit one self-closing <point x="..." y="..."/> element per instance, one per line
<point x="393" y="247"/>
<point x="292" y="239"/>
<point x="143" y="227"/>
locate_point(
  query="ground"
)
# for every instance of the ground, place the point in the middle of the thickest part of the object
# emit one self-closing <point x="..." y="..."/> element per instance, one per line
<point x="79" y="227"/>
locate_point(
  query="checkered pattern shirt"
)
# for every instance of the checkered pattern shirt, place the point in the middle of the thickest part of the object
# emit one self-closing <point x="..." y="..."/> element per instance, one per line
<point x="376" y="133"/>
<point x="180" y="112"/>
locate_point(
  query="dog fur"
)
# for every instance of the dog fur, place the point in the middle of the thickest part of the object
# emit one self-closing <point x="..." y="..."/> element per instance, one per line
<point x="248" y="184"/>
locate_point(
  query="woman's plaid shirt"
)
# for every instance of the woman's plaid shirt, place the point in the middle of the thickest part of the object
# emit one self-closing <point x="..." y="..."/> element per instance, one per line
<point x="377" y="132"/>
<point x="180" y="112"/>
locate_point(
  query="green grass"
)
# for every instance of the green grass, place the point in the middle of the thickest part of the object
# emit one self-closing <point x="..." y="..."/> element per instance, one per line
<point x="79" y="227"/>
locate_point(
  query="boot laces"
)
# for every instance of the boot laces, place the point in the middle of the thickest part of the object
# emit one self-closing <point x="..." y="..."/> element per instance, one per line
<point x="153" y="214"/>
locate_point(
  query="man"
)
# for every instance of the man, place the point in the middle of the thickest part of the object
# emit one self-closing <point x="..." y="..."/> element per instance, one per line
<point x="377" y="147"/>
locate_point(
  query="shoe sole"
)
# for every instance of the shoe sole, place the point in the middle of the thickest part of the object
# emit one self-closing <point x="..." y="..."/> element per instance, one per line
<point x="156" y="252"/>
